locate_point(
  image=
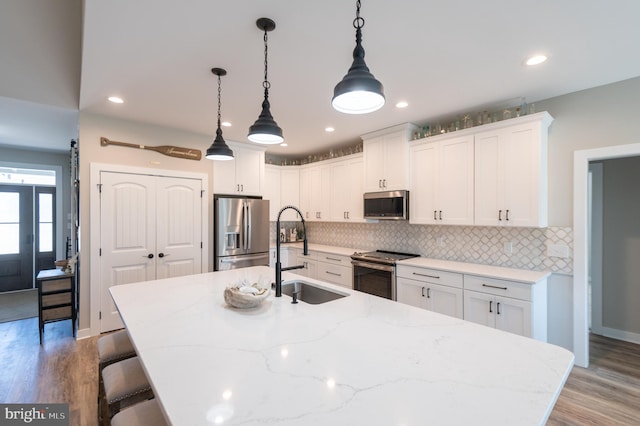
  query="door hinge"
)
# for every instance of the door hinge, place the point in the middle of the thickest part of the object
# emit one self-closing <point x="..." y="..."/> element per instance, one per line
<point x="100" y="252"/>
<point x="201" y="193"/>
<point x="100" y="315"/>
<point x="200" y="244"/>
<point x="100" y="188"/>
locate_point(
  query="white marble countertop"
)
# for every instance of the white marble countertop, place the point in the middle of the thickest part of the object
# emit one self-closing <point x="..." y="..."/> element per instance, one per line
<point x="511" y="274"/>
<point x="359" y="360"/>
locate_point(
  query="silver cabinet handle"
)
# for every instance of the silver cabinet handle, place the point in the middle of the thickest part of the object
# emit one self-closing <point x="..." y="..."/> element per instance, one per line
<point x="425" y="275"/>
<point x="494" y="286"/>
<point x="333" y="258"/>
<point x="333" y="273"/>
<point x="384" y="183"/>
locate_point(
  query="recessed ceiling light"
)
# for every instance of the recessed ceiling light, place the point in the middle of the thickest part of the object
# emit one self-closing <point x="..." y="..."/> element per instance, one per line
<point x="329" y="129"/>
<point x="536" y="60"/>
<point x="402" y="104"/>
<point x="115" y="100"/>
<point x="226" y="124"/>
<point x="284" y="144"/>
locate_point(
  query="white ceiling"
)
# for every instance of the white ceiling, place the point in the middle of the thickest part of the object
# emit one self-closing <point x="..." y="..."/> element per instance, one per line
<point x="444" y="57"/>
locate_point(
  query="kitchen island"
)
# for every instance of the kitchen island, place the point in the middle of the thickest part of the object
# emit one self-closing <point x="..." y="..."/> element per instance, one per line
<point x="358" y="360"/>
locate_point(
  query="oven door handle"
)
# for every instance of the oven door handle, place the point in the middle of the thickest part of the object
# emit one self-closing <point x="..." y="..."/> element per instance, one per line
<point x="377" y="266"/>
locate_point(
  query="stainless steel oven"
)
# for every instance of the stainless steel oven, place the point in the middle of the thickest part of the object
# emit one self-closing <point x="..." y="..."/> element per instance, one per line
<point x="375" y="272"/>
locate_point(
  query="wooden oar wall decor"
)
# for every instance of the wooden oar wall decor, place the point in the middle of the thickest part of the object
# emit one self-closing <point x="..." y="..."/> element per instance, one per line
<point x="171" y="151"/>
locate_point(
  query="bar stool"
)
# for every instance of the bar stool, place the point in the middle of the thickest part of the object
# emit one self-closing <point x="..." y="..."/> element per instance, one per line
<point x="145" y="413"/>
<point x="125" y="384"/>
<point x="112" y="347"/>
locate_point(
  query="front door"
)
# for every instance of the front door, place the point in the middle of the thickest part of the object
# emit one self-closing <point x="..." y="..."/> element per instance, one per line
<point x="150" y="228"/>
<point x="16" y="237"/>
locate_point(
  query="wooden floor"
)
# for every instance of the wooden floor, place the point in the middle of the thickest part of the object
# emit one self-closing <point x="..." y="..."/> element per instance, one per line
<point x="62" y="370"/>
<point x="65" y="370"/>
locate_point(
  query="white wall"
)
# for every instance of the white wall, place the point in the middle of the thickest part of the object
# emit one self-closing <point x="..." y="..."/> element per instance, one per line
<point x="604" y="116"/>
<point x="92" y="127"/>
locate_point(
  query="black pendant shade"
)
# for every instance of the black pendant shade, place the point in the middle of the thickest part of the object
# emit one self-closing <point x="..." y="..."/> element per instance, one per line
<point x="219" y="150"/>
<point x="265" y="130"/>
<point x="359" y="92"/>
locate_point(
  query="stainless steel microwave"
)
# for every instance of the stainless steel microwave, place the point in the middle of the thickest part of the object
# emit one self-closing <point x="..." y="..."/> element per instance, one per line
<point x="388" y="205"/>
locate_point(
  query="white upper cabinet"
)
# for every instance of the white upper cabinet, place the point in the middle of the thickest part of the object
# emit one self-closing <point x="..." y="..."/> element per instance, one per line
<point x="346" y="190"/>
<point x="243" y="175"/>
<point x="315" y="196"/>
<point x="511" y="173"/>
<point x="441" y="172"/>
<point x="386" y="158"/>
<point x="271" y="190"/>
<point x="289" y="191"/>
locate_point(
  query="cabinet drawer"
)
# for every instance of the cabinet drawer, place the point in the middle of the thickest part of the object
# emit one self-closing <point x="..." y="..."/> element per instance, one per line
<point x="336" y="274"/>
<point x="452" y="279"/>
<point x="55" y="285"/>
<point x="56" y="313"/>
<point x="56" y="299"/>
<point x="498" y="287"/>
<point x="334" y="259"/>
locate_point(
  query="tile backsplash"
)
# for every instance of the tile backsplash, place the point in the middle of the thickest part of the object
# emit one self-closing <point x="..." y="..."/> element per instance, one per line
<point x="523" y="248"/>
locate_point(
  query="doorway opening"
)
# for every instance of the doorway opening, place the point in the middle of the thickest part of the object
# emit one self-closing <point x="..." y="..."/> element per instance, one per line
<point x="582" y="241"/>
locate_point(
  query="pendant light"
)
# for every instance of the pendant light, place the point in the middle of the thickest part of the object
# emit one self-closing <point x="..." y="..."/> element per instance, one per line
<point x="219" y="149"/>
<point x="359" y="92"/>
<point x="265" y="130"/>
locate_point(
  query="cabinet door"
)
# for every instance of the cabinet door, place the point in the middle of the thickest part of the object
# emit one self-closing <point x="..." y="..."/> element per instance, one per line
<point x="374" y="161"/>
<point x="224" y="176"/>
<point x="305" y="193"/>
<point x="513" y="315"/>
<point x="271" y="191"/>
<point x="346" y="191"/>
<point x="523" y="180"/>
<point x="410" y="292"/>
<point x="396" y="161"/>
<point x="455" y="196"/>
<point x="290" y="192"/>
<point x="355" y="181"/>
<point x="424" y="172"/>
<point x="249" y="171"/>
<point x="444" y="300"/>
<point x="479" y="308"/>
<point x="320" y="193"/>
<point x="489" y="194"/>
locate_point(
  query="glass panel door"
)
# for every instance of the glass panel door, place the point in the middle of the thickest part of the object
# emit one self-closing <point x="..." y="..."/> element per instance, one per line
<point x="45" y="227"/>
<point x="16" y="237"/>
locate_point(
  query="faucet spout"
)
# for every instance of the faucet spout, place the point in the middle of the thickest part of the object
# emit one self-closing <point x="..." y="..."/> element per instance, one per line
<point x="305" y="243"/>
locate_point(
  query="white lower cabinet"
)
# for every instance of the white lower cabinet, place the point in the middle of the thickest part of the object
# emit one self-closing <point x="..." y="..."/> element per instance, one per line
<point x="516" y="307"/>
<point x="335" y="269"/>
<point x="434" y="290"/>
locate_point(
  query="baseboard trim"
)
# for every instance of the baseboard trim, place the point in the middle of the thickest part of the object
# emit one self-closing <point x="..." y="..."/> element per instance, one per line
<point x="84" y="333"/>
<point x="613" y="333"/>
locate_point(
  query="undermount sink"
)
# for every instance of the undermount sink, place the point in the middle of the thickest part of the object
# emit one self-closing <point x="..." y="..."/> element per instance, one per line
<point x="310" y="293"/>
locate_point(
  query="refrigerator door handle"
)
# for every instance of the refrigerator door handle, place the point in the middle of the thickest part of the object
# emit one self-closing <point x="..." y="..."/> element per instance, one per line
<point x="244" y="226"/>
<point x="249" y="228"/>
<point x="236" y="259"/>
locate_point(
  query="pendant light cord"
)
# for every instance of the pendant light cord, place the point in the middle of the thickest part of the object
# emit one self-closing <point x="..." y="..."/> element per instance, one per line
<point x="219" y="104"/>
<point x="266" y="83"/>
<point x="358" y="23"/>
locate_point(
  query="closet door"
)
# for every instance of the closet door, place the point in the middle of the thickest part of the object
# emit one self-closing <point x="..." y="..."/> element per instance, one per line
<point x="151" y="228"/>
<point x="178" y="227"/>
<point x="127" y="237"/>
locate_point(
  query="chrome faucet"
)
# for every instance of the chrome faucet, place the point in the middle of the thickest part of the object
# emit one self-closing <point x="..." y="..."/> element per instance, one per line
<point x="279" y="267"/>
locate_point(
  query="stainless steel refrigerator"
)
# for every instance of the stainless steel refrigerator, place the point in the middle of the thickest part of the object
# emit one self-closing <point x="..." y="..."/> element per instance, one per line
<point x="241" y="232"/>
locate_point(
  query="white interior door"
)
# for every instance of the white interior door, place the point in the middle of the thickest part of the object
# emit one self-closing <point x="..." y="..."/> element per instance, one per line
<point x="179" y="227"/>
<point x="127" y="237"/>
<point x="150" y="228"/>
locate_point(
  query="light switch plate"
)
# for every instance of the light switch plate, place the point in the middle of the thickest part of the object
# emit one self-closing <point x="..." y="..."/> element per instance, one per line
<point x="558" y="250"/>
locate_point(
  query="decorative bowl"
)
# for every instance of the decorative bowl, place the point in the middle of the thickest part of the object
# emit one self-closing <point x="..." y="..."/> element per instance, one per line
<point x="245" y="296"/>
